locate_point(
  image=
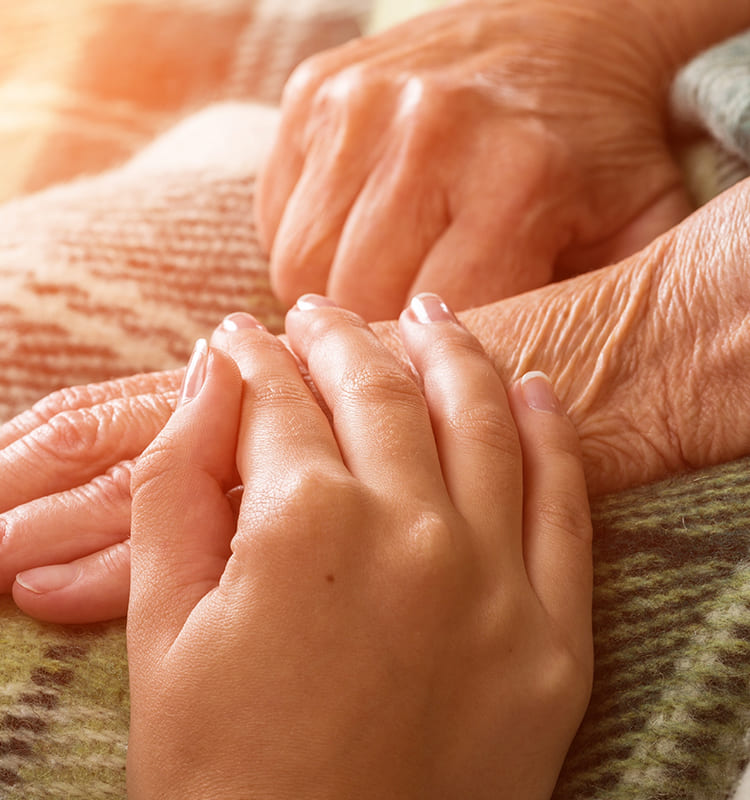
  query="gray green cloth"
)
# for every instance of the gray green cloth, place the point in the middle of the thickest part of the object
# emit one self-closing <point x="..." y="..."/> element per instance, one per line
<point x="670" y="711"/>
<point x="710" y="101"/>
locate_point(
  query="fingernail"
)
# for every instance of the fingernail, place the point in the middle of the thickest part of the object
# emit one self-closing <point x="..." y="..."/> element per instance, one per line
<point x="428" y="307"/>
<point x="195" y="373"/>
<point x="538" y="393"/>
<point x="240" y="320"/>
<point x="310" y="301"/>
<point x="41" y="580"/>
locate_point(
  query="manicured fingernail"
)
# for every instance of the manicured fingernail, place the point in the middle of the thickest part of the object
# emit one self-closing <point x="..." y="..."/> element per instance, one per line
<point x="310" y="301"/>
<point x="195" y="373"/>
<point x="538" y="393"/>
<point x="428" y="307"/>
<point x="240" y="320"/>
<point x="41" y="580"/>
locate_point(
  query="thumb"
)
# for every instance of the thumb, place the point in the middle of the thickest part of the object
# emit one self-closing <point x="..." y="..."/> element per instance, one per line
<point x="480" y="259"/>
<point x="557" y="520"/>
<point x="647" y="224"/>
<point x="182" y="520"/>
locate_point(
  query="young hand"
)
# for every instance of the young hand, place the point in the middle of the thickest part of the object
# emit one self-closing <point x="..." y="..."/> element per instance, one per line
<point x="400" y="607"/>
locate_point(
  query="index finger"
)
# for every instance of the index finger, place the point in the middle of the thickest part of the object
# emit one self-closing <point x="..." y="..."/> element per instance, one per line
<point x="283" y="432"/>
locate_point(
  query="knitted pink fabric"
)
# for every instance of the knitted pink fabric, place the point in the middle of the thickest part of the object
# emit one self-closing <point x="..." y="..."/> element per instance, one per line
<point x="119" y="273"/>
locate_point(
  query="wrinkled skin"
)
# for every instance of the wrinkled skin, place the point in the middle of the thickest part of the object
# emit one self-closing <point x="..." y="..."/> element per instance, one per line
<point x="478" y="151"/>
<point x="371" y="623"/>
<point x="648" y="356"/>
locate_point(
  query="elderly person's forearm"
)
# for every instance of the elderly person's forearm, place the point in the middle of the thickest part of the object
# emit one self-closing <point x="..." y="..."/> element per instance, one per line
<point x="680" y="28"/>
<point x="650" y="356"/>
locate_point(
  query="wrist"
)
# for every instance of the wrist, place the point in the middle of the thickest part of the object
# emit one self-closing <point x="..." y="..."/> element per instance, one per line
<point x="648" y="356"/>
<point x="594" y="336"/>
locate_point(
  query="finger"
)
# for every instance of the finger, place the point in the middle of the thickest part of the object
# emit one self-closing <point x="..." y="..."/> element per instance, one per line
<point x="276" y="181"/>
<point x="182" y="522"/>
<point x="284" y="165"/>
<point x="391" y="227"/>
<point x="337" y="164"/>
<point x="557" y="521"/>
<point x="505" y="233"/>
<point x="283" y="431"/>
<point x="86" y="396"/>
<point x="67" y="525"/>
<point x="285" y="162"/>
<point x="94" y="588"/>
<point x="658" y="217"/>
<point x="379" y="415"/>
<point x="75" y="445"/>
<point x="480" y="453"/>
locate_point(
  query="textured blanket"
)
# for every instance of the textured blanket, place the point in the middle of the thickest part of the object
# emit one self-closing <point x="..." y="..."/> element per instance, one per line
<point x="145" y="239"/>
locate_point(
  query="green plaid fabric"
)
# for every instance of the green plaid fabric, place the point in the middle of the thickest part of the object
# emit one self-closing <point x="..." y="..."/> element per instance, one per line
<point x="670" y="711"/>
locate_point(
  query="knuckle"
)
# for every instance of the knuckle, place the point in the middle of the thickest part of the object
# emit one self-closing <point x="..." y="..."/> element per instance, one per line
<point x="262" y="359"/>
<point x="341" y="341"/>
<point x="304" y="80"/>
<point x="254" y="352"/>
<point x="116" y="559"/>
<point x="431" y="547"/>
<point x="348" y="86"/>
<point x="427" y="570"/>
<point x="312" y="506"/>
<point x="157" y="462"/>
<point x="485" y="423"/>
<point x="70" y="435"/>
<point x="421" y="101"/>
<point x="564" y="681"/>
<point x="11" y="528"/>
<point x="277" y="392"/>
<point x="377" y="384"/>
<point x="562" y="446"/>
<point x="318" y="491"/>
<point x="457" y="345"/>
<point x="67" y="398"/>
<point x="113" y="487"/>
<point x="566" y="512"/>
<point x="336" y="322"/>
<point x="423" y="107"/>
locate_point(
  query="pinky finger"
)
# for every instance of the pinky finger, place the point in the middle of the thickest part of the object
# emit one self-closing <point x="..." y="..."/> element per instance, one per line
<point x="557" y="520"/>
<point x="94" y="588"/>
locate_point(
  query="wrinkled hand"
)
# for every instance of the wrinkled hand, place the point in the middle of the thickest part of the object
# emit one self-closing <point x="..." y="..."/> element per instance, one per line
<point x="65" y="494"/>
<point x="402" y="607"/>
<point x="477" y="151"/>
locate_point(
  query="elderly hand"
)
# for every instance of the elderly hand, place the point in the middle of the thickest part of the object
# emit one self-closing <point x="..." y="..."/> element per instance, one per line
<point x="477" y="151"/>
<point x="65" y="494"/>
<point x="402" y="606"/>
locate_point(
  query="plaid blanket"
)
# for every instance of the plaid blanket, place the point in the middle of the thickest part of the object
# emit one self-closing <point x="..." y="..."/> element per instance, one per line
<point x="131" y="134"/>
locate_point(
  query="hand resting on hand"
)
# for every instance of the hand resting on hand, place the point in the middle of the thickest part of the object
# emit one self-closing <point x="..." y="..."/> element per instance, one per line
<point x="401" y="605"/>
